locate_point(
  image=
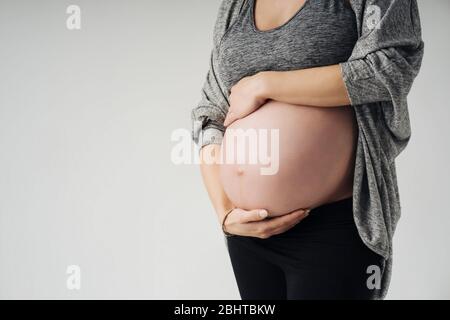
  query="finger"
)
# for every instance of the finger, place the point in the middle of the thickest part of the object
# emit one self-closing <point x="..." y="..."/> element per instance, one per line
<point x="231" y="117"/>
<point x="253" y="215"/>
<point x="286" y="220"/>
<point x="286" y="227"/>
<point x="282" y="229"/>
<point x="228" y="119"/>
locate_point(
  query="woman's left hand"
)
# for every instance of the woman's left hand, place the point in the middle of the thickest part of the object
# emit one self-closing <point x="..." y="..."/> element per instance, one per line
<point x="246" y="96"/>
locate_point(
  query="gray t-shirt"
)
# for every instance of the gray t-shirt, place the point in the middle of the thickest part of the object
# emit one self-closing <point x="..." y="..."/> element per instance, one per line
<point x="379" y="47"/>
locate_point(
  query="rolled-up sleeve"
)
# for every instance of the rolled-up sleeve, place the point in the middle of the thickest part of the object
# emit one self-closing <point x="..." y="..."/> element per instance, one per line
<point x="209" y="114"/>
<point x="388" y="54"/>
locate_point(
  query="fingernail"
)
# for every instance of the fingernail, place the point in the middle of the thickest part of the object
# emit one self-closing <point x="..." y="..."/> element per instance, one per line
<point x="263" y="213"/>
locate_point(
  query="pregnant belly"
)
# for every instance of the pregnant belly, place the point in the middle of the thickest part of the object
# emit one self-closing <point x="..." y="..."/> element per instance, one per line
<point x="283" y="157"/>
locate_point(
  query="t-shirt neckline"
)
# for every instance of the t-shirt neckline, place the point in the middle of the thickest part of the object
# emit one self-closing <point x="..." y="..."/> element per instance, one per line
<point x="253" y="20"/>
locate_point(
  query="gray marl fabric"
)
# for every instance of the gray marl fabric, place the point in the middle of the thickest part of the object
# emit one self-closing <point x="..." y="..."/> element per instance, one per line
<point x="379" y="47"/>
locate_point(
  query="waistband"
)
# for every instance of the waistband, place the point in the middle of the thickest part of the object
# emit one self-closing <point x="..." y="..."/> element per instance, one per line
<point x="338" y="211"/>
<point x="343" y="204"/>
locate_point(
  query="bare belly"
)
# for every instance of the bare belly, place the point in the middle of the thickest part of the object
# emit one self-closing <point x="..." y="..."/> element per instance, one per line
<point x="309" y="163"/>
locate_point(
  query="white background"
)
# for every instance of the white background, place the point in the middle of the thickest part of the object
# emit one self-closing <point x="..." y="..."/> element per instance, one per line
<point x="85" y="171"/>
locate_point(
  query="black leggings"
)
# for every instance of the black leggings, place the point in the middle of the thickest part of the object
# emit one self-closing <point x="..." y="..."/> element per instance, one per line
<point x="322" y="257"/>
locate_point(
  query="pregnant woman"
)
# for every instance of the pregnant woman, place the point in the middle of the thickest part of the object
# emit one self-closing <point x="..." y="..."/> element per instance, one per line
<point x="320" y="88"/>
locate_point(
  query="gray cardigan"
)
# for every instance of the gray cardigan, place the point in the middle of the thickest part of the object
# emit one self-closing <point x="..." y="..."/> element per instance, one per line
<point x="378" y="76"/>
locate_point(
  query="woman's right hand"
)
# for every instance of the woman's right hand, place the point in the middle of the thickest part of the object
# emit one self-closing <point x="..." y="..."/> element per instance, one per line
<point x="253" y="223"/>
